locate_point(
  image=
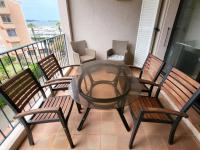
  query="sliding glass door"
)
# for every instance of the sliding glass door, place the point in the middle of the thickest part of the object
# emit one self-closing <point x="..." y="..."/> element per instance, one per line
<point x="184" y="47"/>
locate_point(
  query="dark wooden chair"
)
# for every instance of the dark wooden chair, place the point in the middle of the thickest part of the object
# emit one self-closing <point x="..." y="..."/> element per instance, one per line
<point x="50" y="67"/>
<point x="149" y="72"/>
<point x="21" y="89"/>
<point x="182" y="90"/>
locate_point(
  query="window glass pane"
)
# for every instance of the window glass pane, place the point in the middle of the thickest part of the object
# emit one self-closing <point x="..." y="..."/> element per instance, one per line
<point x="11" y="32"/>
<point x="184" y="49"/>
<point x="2" y="4"/>
<point x="5" y="18"/>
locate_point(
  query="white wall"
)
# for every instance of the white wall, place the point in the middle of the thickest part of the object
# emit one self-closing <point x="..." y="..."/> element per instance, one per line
<point x="101" y="21"/>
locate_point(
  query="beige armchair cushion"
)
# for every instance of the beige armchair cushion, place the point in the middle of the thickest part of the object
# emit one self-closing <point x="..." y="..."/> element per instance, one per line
<point x="79" y="47"/>
<point x="120" y="52"/>
<point x="81" y="52"/>
<point x="119" y="47"/>
<point x="116" y="57"/>
<point x="90" y="55"/>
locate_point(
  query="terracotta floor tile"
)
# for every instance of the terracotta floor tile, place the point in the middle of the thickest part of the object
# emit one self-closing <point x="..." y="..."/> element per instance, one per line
<point x="101" y="132"/>
<point x="141" y="143"/>
<point x="87" y="142"/>
<point x="60" y="142"/>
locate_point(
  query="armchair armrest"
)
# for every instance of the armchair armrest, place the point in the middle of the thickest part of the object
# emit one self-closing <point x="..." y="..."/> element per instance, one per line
<point x="165" y="111"/>
<point x="110" y="52"/>
<point x="35" y="111"/>
<point x="76" y="57"/>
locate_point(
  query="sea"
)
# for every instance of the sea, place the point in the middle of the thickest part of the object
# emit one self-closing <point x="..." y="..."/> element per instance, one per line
<point x="39" y="23"/>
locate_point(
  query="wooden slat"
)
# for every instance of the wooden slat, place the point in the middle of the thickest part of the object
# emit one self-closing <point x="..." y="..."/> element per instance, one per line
<point x="183" y="82"/>
<point x="148" y="102"/>
<point x="51" y="72"/>
<point x="177" y="90"/>
<point x="47" y="103"/>
<point x="180" y="86"/>
<point x="59" y="101"/>
<point x="21" y="88"/>
<point x="16" y="93"/>
<point x="173" y="96"/>
<point x="47" y="57"/>
<point x="152" y="66"/>
<point x="50" y="64"/>
<point x="187" y="78"/>
<point x="12" y="81"/>
<point x="28" y="98"/>
<point x="56" y="104"/>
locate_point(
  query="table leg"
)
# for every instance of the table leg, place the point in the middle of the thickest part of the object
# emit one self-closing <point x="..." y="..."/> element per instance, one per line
<point x="123" y="119"/>
<point x="83" y="119"/>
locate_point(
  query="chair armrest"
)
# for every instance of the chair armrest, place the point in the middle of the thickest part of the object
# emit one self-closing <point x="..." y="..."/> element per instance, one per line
<point x="110" y="52"/>
<point x="62" y="80"/>
<point x="35" y="111"/>
<point x="165" y="111"/>
<point x="134" y="67"/>
<point x="148" y="82"/>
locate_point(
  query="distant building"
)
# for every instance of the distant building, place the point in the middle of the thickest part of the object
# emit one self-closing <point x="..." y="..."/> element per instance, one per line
<point x="13" y="29"/>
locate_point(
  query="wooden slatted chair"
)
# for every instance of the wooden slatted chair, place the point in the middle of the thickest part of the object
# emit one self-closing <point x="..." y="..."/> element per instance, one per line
<point x="50" y="67"/>
<point x="182" y="90"/>
<point x="150" y="72"/>
<point x="21" y="89"/>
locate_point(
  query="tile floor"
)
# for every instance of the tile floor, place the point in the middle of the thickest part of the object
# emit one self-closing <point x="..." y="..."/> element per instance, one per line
<point x="103" y="130"/>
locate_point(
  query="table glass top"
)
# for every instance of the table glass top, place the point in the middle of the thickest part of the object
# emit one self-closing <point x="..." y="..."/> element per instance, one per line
<point x="104" y="85"/>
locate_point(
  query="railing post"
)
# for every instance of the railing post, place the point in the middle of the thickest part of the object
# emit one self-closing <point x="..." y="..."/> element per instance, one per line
<point x="65" y="49"/>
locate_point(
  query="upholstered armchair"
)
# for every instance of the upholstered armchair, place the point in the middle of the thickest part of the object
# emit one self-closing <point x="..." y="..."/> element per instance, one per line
<point x="81" y="53"/>
<point x="120" y="52"/>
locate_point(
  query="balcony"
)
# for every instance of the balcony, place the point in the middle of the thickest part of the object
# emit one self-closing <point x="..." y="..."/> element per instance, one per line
<point x="102" y="130"/>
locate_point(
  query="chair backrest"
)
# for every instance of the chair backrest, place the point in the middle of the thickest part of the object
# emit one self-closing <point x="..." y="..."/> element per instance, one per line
<point x="151" y="68"/>
<point x="79" y="47"/>
<point x="19" y="90"/>
<point x="119" y="46"/>
<point x="50" y="66"/>
<point x="181" y="89"/>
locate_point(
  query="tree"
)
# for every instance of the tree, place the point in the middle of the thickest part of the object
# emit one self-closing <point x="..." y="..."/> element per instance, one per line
<point x="36" y="70"/>
<point x="6" y="60"/>
<point x="2" y="102"/>
<point x="32" y="26"/>
<point x="59" y="28"/>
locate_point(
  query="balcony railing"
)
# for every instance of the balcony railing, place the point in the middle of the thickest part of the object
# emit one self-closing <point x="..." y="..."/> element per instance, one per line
<point x="14" y="61"/>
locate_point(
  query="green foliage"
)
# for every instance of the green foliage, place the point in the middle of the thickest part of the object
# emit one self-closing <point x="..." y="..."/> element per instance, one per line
<point x="36" y="70"/>
<point x="6" y="60"/>
<point x="2" y="73"/>
<point x="2" y="102"/>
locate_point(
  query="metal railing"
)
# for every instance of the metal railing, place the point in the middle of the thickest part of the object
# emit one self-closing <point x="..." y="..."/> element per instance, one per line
<point x="14" y="61"/>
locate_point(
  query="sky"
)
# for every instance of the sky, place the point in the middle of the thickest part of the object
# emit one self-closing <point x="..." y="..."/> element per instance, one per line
<point x="40" y="9"/>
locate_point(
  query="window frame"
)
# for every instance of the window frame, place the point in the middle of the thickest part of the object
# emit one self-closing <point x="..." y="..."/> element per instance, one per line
<point x="6" y="18"/>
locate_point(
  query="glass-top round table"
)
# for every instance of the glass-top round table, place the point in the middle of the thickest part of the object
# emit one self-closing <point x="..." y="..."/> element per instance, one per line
<point x="104" y="85"/>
